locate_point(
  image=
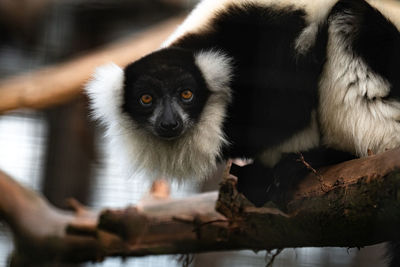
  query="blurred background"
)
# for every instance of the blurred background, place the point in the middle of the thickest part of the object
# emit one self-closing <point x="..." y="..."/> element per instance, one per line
<point x="61" y="153"/>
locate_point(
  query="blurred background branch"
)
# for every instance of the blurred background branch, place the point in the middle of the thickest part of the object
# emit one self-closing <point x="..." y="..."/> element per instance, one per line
<point x="60" y="83"/>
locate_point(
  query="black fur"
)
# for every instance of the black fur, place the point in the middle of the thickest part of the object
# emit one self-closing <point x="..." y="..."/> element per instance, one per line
<point x="275" y="88"/>
<point x="267" y="72"/>
<point x="262" y="183"/>
<point x="165" y="73"/>
<point x="257" y="119"/>
<point x="377" y="41"/>
<point x="373" y="38"/>
<point x="393" y="254"/>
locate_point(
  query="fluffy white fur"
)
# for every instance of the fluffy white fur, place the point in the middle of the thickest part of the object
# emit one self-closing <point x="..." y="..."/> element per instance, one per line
<point x="191" y="156"/>
<point x="216" y="68"/>
<point x="104" y="91"/>
<point x="353" y="116"/>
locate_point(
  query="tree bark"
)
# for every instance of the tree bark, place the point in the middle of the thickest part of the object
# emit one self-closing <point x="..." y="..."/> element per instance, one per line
<point x="357" y="206"/>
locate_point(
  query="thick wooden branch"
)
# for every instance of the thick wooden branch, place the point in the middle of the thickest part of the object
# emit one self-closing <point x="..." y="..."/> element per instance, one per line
<point x="358" y="206"/>
<point x="56" y="84"/>
<point x="39" y="228"/>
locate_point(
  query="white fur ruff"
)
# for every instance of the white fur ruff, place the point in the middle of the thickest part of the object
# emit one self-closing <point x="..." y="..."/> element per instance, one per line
<point x="353" y="115"/>
<point x="191" y="156"/>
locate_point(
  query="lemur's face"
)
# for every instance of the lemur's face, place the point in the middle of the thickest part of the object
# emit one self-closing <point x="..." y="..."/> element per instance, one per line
<point x="165" y="93"/>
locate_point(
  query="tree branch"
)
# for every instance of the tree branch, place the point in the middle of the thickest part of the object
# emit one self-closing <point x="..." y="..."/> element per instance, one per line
<point x="359" y="206"/>
<point x="59" y="83"/>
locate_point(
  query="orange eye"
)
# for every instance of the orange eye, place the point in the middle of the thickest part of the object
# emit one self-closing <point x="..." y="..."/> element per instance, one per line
<point x="146" y="99"/>
<point x="187" y="95"/>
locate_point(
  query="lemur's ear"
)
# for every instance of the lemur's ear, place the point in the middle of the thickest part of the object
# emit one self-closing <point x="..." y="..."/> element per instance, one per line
<point x="216" y="68"/>
<point x="105" y="92"/>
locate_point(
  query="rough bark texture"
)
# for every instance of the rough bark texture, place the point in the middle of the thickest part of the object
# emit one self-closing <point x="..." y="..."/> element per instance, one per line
<point x="357" y="206"/>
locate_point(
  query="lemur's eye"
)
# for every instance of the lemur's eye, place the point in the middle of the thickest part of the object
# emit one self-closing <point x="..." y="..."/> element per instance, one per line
<point x="187" y="95"/>
<point x="146" y="99"/>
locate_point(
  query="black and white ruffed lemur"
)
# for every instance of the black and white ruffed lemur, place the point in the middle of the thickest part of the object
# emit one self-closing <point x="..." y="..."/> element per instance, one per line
<point x="260" y="80"/>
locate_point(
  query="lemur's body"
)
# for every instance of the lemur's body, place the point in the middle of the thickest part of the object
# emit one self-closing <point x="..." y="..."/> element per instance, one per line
<point x="259" y="79"/>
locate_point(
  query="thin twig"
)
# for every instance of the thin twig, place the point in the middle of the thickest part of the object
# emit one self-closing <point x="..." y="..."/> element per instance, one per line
<point x="210" y="222"/>
<point x="271" y="261"/>
<point x="186" y="259"/>
<point x="324" y="187"/>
